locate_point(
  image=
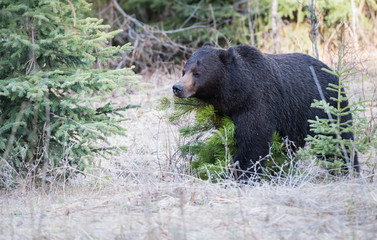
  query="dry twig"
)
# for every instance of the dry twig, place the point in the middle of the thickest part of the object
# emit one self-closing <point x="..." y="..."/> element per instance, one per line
<point x="151" y="45"/>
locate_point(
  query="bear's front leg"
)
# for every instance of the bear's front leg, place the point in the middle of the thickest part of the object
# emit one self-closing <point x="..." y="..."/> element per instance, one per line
<point x="253" y="144"/>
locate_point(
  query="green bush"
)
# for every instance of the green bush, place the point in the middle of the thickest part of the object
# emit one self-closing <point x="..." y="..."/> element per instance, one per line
<point x="211" y="144"/>
<point x="54" y="109"/>
<point x="210" y="137"/>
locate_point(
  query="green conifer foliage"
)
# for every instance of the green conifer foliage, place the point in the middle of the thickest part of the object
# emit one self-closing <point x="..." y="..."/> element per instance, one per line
<point x="327" y="139"/>
<point x="53" y="106"/>
<point x="210" y="143"/>
<point x="210" y="137"/>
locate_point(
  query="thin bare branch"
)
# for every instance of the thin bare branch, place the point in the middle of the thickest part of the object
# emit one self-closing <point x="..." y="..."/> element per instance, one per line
<point x="74" y="12"/>
<point x="151" y="45"/>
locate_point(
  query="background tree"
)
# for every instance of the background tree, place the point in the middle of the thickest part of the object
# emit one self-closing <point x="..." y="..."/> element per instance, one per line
<point x="354" y="25"/>
<point x="274" y="26"/>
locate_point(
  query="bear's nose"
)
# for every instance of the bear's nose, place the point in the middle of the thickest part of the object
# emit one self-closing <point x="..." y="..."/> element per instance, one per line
<point x="177" y="89"/>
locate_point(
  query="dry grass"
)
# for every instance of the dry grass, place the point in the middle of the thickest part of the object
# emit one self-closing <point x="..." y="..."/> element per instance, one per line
<point x="146" y="207"/>
<point x="145" y="194"/>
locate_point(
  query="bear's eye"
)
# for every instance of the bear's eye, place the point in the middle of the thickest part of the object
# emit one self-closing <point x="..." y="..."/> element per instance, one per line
<point x="183" y="73"/>
<point x="196" y="74"/>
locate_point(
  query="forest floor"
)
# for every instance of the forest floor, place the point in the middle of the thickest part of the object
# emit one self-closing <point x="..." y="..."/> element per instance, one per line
<point x="145" y="193"/>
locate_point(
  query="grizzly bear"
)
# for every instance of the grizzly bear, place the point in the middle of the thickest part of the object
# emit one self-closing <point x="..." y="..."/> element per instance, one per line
<point x="261" y="93"/>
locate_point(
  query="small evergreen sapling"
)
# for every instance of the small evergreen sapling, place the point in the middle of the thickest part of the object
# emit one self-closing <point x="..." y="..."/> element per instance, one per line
<point x="327" y="140"/>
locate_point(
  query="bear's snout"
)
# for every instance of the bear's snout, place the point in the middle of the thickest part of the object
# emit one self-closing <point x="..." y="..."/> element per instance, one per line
<point x="177" y="89"/>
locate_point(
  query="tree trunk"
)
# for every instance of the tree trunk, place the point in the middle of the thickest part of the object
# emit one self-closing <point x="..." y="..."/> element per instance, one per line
<point x="314" y="24"/>
<point x="354" y="25"/>
<point x="274" y="23"/>
<point x="251" y="23"/>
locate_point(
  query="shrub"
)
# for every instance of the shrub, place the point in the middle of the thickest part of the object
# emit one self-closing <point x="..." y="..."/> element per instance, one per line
<point x="53" y="106"/>
<point x="210" y="141"/>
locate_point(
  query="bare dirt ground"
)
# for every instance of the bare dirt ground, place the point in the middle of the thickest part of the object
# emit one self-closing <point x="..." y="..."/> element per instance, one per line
<point x="145" y="193"/>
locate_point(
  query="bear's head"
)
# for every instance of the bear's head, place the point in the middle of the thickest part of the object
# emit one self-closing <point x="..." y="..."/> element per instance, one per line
<point x="202" y="75"/>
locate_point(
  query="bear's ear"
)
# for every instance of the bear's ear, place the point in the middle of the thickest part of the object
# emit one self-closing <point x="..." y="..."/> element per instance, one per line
<point x="226" y="56"/>
<point x="207" y="45"/>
